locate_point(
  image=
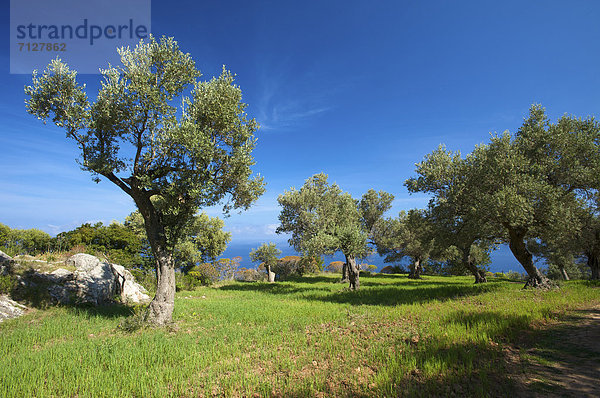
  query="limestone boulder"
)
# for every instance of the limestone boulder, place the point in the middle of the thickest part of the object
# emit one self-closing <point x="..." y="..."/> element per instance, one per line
<point x="6" y="263"/>
<point x="130" y="291"/>
<point x="93" y="281"/>
<point x="9" y="308"/>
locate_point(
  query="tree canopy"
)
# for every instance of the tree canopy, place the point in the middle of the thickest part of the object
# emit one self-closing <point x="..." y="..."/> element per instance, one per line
<point x="267" y="254"/>
<point x="322" y="219"/>
<point x="135" y="136"/>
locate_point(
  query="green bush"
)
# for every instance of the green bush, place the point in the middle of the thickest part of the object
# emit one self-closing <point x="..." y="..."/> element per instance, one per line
<point x="249" y="275"/>
<point x="206" y="274"/>
<point x="515" y="276"/>
<point x="144" y="277"/>
<point x="33" y="290"/>
<point x="7" y="284"/>
<point x="335" y="267"/>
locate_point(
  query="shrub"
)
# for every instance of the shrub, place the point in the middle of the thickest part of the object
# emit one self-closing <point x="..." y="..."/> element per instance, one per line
<point x="368" y="267"/>
<point x="226" y="267"/>
<point x="309" y="265"/>
<point x="7" y="284"/>
<point x="33" y="289"/>
<point x="134" y="322"/>
<point x="205" y="273"/>
<point x="185" y="282"/>
<point x="249" y="275"/>
<point x="286" y="266"/>
<point x="515" y="276"/>
<point x="393" y="269"/>
<point x="144" y="277"/>
<point x="499" y="275"/>
<point x="574" y="271"/>
<point x="335" y="267"/>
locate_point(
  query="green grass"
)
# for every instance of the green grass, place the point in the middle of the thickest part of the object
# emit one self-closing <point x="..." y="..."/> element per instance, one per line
<point x="308" y="337"/>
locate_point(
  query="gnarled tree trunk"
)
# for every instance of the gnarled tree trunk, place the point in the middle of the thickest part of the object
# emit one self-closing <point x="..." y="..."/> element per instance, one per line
<point x="353" y="273"/>
<point x="564" y="274"/>
<point x="345" y="276"/>
<point x="593" y="262"/>
<point x="416" y="269"/>
<point x="519" y="250"/>
<point x="479" y="274"/>
<point x="160" y="310"/>
<point x="270" y="274"/>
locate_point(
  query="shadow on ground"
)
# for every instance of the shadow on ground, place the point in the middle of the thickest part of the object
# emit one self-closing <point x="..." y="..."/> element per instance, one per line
<point x="559" y="360"/>
<point x="403" y="292"/>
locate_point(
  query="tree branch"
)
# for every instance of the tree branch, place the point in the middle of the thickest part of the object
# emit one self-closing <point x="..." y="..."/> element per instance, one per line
<point x="118" y="182"/>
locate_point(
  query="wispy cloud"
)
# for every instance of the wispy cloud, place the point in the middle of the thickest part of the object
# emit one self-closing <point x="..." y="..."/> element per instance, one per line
<point x="284" y="101"/>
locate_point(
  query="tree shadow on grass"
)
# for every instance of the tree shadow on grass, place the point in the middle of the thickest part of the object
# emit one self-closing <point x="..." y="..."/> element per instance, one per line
<point x="438" y="366"/>
<point x="561" y="359"/>
<point x="397" y="295"/>
<point x="384" y="294"/>
<point x="109" y="310"/>
<point x="334" y="278"/>
<point x="282" y="288"/>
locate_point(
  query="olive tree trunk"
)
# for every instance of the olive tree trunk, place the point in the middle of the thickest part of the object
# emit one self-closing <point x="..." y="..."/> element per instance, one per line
<point x="415" y="269"/>
<point x="523" y="255"/>
<point x="160" y="310"/>
<point x="564" y="274"/>
<point x="270" y="274"/>
<point x="345" y="276"/>
<point x="478" y="273"/>
<point x="353" y="273"/>
<point x="593" y="262"/>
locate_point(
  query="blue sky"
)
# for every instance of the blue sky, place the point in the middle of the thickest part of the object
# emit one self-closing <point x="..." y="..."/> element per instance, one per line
<point x="358" y="90"/>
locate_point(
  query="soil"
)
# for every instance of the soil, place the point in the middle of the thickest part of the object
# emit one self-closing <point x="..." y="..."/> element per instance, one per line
<point x="558" y="360"/>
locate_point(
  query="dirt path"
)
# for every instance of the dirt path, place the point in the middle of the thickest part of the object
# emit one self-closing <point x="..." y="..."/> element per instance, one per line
<point x="562" y="360"/>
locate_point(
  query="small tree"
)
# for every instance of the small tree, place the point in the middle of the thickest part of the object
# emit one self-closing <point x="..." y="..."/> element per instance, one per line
<point x="267" y="254"/>
<point x="227" y="267"/>
<point x="170" y="161"/>
<point x="323" y="220"/>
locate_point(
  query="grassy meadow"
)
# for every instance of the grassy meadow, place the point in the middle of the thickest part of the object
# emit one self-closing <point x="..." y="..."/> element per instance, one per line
<point x="306" y="337"/>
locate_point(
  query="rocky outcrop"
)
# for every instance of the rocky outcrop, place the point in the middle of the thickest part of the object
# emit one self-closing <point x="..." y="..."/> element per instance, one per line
<point x="10" y="309"/>
<point x="6" y="263"/>
<point x="93" y="282"/>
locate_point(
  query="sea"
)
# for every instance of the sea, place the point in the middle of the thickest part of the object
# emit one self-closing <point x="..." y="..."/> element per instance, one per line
<point x="502" y="258"/>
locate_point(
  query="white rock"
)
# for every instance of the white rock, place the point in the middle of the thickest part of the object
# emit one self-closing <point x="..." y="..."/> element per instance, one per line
<point x="5" y="263"/>
<point x="83" y="261"/>
<point x="10" y="309"/>
<point x="61" y="273"/>
<point x="130" y="290"/>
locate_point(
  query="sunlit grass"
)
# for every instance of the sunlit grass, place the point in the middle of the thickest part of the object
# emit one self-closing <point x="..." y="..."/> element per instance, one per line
<point x="300" y="338"/>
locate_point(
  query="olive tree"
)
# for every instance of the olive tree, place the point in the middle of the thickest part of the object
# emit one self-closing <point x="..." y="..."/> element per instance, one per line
<point x="267" y="254"/>
<point x="456" y="218"/>
<point x="408" y="235"/>
<point x="170" y="160"/>
<point x="531" y="183"/>
<point x="322" y="219"/>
